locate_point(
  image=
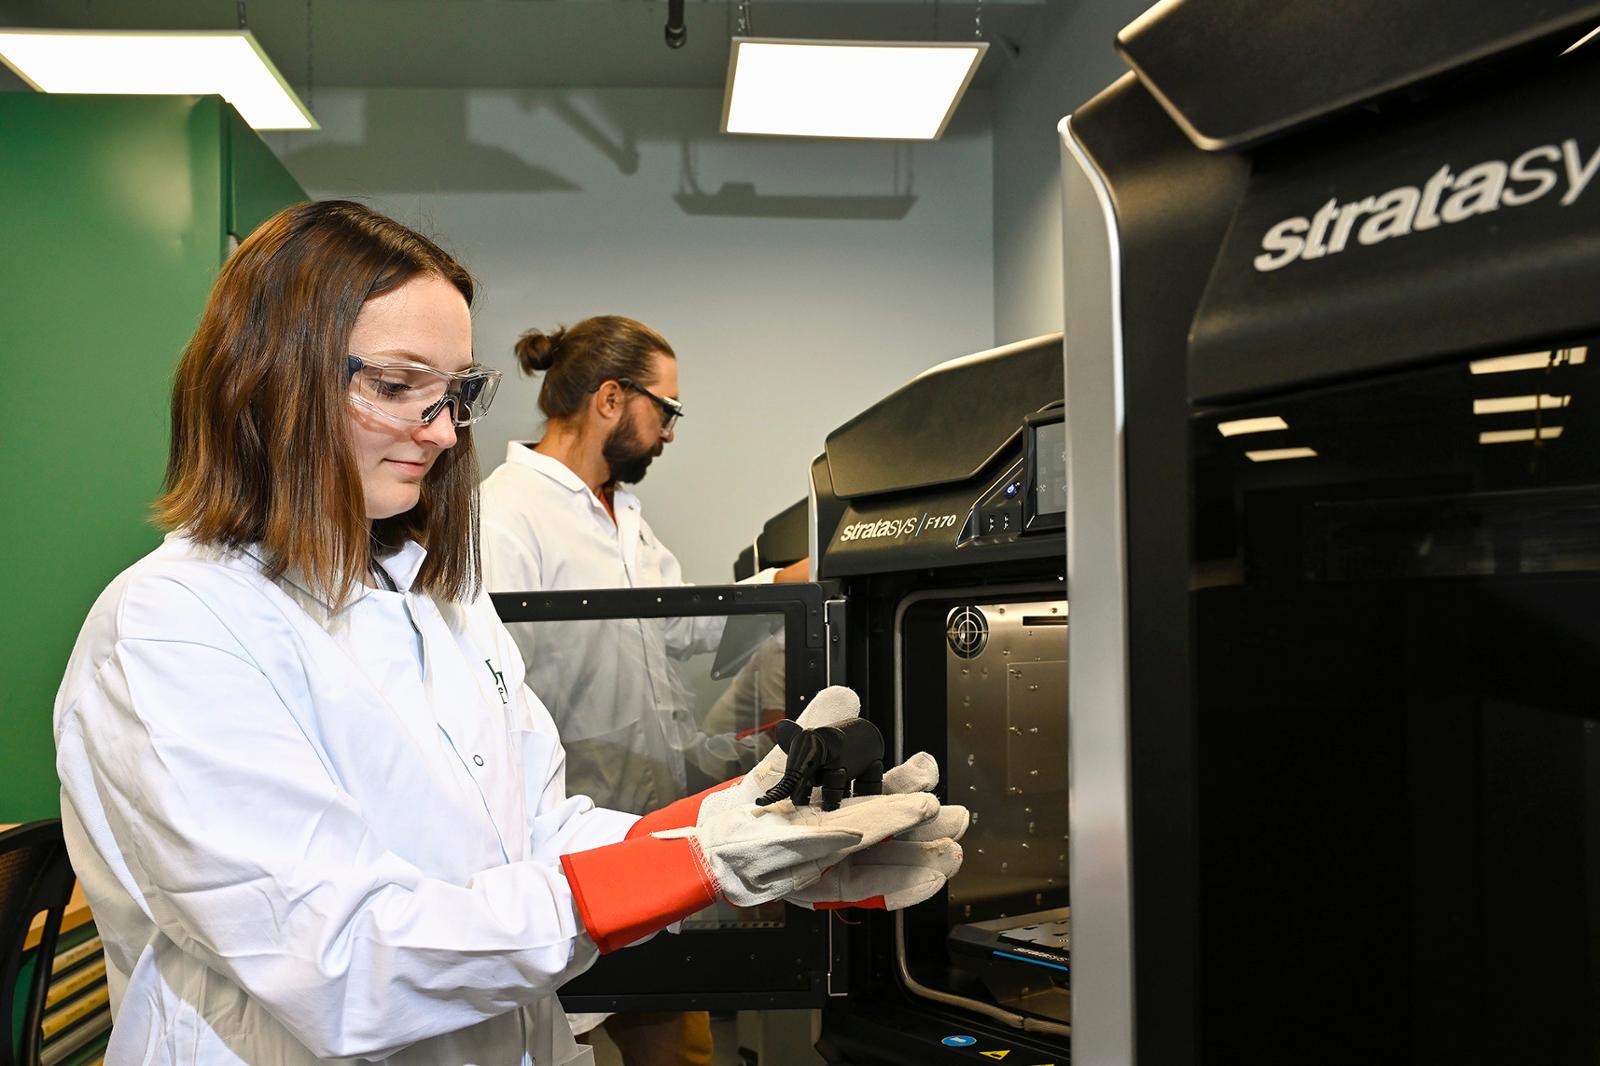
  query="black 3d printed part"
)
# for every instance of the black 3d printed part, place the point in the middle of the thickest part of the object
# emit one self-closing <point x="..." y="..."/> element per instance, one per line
<point x="832" y="757"/>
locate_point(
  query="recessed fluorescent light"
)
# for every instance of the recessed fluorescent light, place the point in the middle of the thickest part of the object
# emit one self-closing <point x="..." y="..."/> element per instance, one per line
<point x="1581" y="41"/>
<point x="894" y="90"/>
<point x="228" y="63"/>
<point x="1251" y="425"/>
<point x="1512" y="436"/>
<point x="1499" y="405"/>
<point x="1272" y="455"/>
<point x="1530" y="361"/>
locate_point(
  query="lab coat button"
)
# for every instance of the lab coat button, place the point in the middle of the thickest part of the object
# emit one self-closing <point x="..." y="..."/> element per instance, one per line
<point x="478" y="759"/>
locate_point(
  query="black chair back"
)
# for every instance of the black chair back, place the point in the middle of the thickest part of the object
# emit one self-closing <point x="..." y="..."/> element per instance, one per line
<point x="35" y="876"/>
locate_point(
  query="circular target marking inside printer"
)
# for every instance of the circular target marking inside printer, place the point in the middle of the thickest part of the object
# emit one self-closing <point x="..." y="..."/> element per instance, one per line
<point x="959" y="1041"/>
<point x="968" y="632"/>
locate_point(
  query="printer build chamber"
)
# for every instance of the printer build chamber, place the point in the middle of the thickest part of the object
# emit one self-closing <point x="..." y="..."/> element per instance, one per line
<point x="997" y="671"/>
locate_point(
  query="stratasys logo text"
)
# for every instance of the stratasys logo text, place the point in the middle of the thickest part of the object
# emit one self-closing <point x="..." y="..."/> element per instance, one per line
<point x="889" y="528"/>
<point x="1445" y="197"/>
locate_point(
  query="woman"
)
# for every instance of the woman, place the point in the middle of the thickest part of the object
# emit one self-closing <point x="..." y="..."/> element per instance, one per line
<point x="315" y="811"/>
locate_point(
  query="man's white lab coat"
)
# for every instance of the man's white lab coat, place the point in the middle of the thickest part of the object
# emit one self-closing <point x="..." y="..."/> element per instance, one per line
<point x="281" y="868"/>
<point x="614" y="696"/>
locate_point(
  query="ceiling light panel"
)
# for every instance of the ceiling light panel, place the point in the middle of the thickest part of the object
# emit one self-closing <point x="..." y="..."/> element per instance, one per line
<point x="1499" y="405"/>
<point x="1503" y="364"/>
<point x="228" y="63"/>
<point x="1251" y="425"/>
<point x="1273" y="455"/>
<point x="1514" y="436"/>
<point x="855" y="89"/>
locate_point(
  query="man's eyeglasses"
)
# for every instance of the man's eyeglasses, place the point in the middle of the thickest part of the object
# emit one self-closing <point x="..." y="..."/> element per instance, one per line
<point x="413" y="395"/>
<point x="671" y="410"/>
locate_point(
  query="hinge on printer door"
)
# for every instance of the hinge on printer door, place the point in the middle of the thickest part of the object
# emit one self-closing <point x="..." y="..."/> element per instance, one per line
<point x="833" y="617"/>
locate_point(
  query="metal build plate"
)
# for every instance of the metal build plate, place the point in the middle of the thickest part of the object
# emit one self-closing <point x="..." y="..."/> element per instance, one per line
<point x="1057" y="936"/>
<point x="1006" y="685"/>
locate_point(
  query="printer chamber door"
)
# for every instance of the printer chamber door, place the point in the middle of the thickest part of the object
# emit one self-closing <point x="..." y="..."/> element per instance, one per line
<point x="660" y="693"/>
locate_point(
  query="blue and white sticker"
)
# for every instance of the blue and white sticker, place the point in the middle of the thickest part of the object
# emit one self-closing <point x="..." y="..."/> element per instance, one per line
<point x="959" y="1041"/>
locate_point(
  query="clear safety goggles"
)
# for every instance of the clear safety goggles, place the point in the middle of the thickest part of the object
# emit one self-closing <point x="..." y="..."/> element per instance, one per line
<point x="413" y="395"/>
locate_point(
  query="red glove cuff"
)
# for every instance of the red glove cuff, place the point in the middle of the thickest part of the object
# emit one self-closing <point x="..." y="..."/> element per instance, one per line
<point x="638" y="886"/>
<point x="676" y="815"/>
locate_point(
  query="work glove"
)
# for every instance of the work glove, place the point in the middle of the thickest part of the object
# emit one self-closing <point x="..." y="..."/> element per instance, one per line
<point x="756" y="854"/>
<point x="676" y="860"/>
<point x="892" y="875"/>
<point x="745" y="853"/>
<point x="901" y="872"/>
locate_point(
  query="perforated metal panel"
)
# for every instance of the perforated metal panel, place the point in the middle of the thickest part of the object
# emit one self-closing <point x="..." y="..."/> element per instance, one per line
<point x="1008" y="755"/>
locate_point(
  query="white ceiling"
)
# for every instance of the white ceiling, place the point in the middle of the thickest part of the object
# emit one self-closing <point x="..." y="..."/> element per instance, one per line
<point x="531" y="43"/>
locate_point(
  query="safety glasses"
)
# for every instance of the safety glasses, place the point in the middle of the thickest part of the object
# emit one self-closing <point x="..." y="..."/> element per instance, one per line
<point x="671" y="410"/>
<point x="413" y="394"/>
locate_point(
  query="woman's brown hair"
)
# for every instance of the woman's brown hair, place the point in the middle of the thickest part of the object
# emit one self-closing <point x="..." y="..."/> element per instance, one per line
<point x="577" y="360"/>
<point x="260" y="453"/>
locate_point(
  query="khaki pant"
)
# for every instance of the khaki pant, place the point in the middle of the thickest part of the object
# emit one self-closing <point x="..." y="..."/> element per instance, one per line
<point x="658" y="1038"/>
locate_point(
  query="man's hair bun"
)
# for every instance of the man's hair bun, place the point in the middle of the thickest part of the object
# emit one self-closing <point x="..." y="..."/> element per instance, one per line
<point x="537" y="351"/>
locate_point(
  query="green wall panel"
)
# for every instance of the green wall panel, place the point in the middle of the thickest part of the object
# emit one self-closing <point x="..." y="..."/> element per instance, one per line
<point x="113" y="218"/>
<point x="261" y="186"/>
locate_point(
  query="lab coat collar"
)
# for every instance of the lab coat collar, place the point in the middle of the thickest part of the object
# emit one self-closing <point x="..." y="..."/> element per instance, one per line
<point x="521" y="453"/>
<point x="404" y="565"/>
<point x="402" y="568"/>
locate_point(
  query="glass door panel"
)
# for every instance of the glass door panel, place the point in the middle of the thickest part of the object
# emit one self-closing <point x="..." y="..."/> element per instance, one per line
<point x="661" y="693"/>
<point x="1397" y="606"/>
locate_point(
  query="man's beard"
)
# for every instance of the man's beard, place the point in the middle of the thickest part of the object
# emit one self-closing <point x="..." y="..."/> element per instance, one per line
<point x="627" y="456"/>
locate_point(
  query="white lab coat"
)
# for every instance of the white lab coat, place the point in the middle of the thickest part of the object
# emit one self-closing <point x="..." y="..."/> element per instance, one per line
<point x="281" y="870"/>
<point x="614" y="696"/>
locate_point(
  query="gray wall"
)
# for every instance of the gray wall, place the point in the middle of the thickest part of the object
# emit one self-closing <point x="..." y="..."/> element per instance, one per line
<point x="1066" y="57"/>
<point x="799" y="281"/>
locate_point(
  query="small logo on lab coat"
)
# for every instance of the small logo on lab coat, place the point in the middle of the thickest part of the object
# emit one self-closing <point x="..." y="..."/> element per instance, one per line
<point x="499" y="681"/>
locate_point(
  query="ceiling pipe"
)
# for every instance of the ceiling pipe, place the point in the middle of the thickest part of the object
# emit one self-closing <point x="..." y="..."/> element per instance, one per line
<point x="676" y="32"/>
